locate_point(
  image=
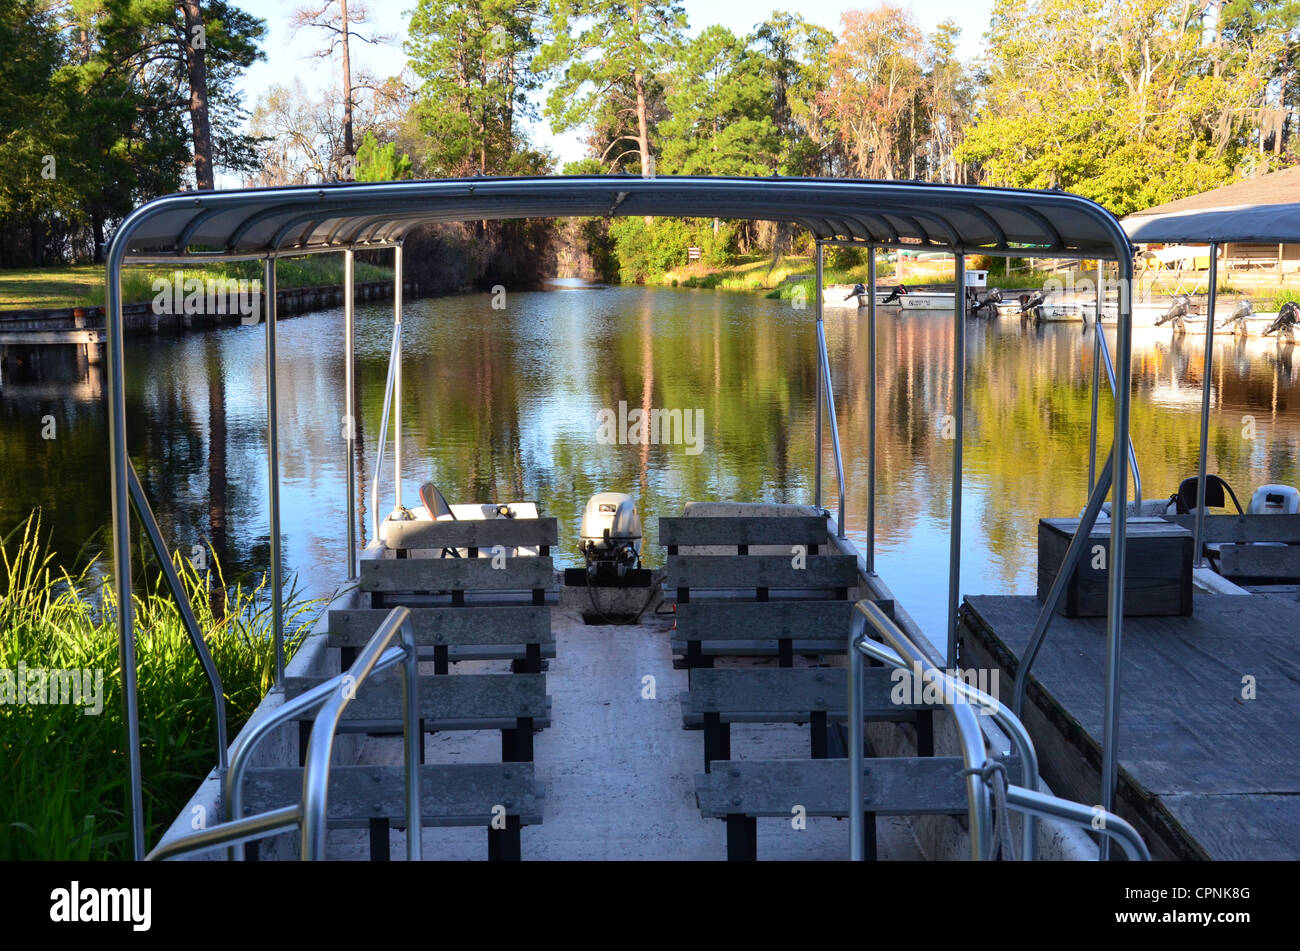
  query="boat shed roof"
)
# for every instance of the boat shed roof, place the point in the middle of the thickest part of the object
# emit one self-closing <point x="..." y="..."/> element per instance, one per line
<point x="264" y="222"/>
<point x="1264" y="209"/>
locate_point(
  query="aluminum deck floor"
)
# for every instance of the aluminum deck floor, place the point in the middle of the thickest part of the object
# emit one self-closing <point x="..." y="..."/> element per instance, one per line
<point x="618" y="771"/>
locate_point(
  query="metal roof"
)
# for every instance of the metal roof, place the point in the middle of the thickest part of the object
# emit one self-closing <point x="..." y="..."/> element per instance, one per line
<point x="276" y="221"/>
<point x="1264" y="209"/>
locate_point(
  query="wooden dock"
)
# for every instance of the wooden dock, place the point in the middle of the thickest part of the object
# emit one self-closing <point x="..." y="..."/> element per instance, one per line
<point x="1209" y="768"/>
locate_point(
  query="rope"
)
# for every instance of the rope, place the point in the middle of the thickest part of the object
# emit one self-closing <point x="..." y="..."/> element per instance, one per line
<point x="994" y="774"/>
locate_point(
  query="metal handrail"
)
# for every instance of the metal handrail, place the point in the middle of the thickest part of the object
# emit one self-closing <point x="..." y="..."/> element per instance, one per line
<point x="315" y="776"/>
<point x="1033" y="803"/>
<point x="393" y="357"/>
<point x="831" y="419"/>
<point x="968" y="729"/>
<point x="1030" y="799"/>
<point x="1020" y="739"/>
<point x="826" y="394"/>
<point x="1132" y="454"/>
<point x="188" y="620"/>
<point x="332" y="697"/>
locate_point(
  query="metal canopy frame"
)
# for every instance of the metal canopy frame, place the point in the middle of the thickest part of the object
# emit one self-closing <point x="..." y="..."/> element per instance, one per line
<point x="1241" y="224"/>
<point x="270" y="223"/>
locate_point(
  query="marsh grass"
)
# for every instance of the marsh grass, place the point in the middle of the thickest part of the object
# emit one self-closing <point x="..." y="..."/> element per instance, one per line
<point x="62" y="772"/>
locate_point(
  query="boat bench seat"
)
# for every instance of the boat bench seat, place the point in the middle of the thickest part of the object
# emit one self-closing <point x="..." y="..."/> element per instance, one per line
<point x="749" y="603"/>
<point x="471" y="538"/>
<point x="413" y="581"/>
<point x="813" y="695"/>
<point x="499" y="797"/>
<point x="515" y="704"/>
<point x="1250" y="546"/>
<point x="471" y="632"/>
<point x="743" y="791"/>
<point x="708" y="629"/>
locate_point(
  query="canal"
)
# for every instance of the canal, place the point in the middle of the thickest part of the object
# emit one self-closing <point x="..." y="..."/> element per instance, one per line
<point x="503" y="401"/>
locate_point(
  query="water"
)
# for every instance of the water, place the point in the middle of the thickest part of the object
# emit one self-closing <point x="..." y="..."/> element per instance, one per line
<point x="502" y="405"/>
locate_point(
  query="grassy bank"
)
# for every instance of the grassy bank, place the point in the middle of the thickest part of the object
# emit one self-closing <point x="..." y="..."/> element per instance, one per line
<point x="82" y="285"/>
<point x="62" y="771"/>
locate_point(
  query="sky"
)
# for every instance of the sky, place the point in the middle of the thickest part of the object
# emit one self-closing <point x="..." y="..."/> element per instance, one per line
<point x="288" y="57"/>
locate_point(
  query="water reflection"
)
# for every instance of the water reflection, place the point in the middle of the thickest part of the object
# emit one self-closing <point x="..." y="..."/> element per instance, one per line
<point x="502" y="404"/>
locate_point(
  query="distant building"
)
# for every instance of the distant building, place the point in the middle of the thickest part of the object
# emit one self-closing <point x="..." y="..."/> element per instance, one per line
<point x="1276" y="188"/>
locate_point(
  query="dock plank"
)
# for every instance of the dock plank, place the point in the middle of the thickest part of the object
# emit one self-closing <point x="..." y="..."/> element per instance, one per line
<point x="1189" y="742"/>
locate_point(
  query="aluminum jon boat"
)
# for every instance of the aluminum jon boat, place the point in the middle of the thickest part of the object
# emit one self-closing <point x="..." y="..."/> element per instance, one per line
<point x="774" y="681"/>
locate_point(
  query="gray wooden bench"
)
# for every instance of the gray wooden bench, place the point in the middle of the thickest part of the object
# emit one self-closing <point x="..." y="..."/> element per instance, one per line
<point x="521" y="633"/>
<point x="1238" y="557"/>
<point x="515" y="704"/>
<point x="476" y="537"/>
<point x="742" y="603"/>
<point x="499" y="797"/>
<point x="743" y="791"/>
<point x="813" y="695"/>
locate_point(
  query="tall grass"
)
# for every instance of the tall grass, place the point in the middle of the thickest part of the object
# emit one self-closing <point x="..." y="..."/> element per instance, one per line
<point x="62" y="772"/>
<point x="1286" y="297"/>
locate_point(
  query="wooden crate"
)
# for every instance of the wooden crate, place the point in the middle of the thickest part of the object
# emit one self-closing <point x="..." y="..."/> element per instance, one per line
<point x="1157" y="572"/>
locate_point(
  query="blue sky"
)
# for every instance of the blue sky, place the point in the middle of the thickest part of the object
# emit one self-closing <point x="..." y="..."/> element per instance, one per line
<point x="288" y="57"/>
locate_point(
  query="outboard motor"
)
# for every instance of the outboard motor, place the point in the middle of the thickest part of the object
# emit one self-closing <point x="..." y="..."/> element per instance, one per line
<point x="986" y="305"/>
<point x="1179" y="308"/>
<point x="610" y="536"/>
<point x="1237" y="319"/>
<point x="1274" y="500"/>
<point x="1032" y="307"/>
<point x="1285" y="323"/>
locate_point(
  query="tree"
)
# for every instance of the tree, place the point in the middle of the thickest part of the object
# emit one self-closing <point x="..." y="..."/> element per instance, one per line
<point x="339" y="25"/>
<point x="616" y="51"/>
<point x="475" y="61"/>
<point x="1129" y="102"/>
<point x="381" y="163"/>
<point x="719" y="115"/>
<point x="195" y="44"/>
<point x="876" y="79"/>
<point x="795" y="54"/>
<point x="188" y="59"/>
<point x="948" y="101"/>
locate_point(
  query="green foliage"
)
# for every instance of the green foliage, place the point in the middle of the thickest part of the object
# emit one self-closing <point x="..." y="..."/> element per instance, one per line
<point x="605" y="55"/>
<point x="95" y="116"/>
<point x="794" y="55"/>
<point x="380" y="163"/>
<point x="1125" y="103"/>
<point x="475" y="61"/>
<point x="1283" y="298"/>
<point x="646" y="250"/>
<point x="62" y="772"/>
<point x="719" y="108"/>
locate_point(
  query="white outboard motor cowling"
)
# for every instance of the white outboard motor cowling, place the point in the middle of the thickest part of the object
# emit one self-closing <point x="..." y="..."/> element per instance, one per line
<point x="1274" y="500"/>
<point x="611" y="531"/>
